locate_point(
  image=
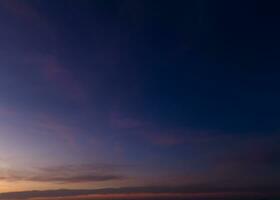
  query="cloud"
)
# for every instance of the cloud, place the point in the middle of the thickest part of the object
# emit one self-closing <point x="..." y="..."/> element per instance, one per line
<point x="119" y="120"/>
<point x="48" y="66"/>
<point x="72" y="179"/>
<point x="27" y="14"/>
<point x="52" y="125"/>
<point x="152" y="133"/>
<point x="7" y="111"/>
<point x="83" y="168"/>
<point x="165" y="139"/>
<point x="21" y="9"/>
<point x="182" y="136"/>
<point x="150" y="192"/>
<point x="41" y="123"/>
<point x="229" y="158"/>
<point x="260" y="151"/>
<point x="59" y="76"/>
<point x="63" y="174"/>
<point x="56" y="73"/>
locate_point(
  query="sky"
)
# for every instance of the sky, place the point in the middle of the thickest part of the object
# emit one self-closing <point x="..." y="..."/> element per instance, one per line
<point x="141" y="98"/>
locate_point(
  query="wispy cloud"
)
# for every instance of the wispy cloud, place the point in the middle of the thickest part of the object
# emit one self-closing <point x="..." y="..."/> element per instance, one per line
<point x="41" y="123"/>
<point x="152" y="133"/>
<point x="49" y="124"/>
<point x="49" y="66"/>
<point x="252" y="160"/>
<point x="58" y="76"/>
<point x="21" y="9"/>
<point x="63" y="174"/>
<point x="26" y="14"/>
<point x="119" y="120"/>
<point x="165" y="139"/>
<point x="183" y="136"/>
<point x="84" y="168"/>
<point x="64" y="179"/>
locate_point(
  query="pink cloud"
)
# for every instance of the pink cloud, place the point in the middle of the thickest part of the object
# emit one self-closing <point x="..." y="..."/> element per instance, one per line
<point x="7" y="111"/>
<point x="58" y="76"/>
<point x="49" y="67"/>
<point x="118" y="120"/>
<point x="151" y="133"/>
<point x="52" y="125"/>
<point x="25" y="13"/>
<point x="20" y="9"/>
<point x="179" y="136"/>
<point x="45" y="123"/>
<point x="165" y="139"/>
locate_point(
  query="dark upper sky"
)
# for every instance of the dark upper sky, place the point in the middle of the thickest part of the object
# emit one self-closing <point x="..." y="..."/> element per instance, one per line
<point x="128" y="93"/>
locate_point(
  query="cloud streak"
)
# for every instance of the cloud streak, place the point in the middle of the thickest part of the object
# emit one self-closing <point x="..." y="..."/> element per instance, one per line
<point x="120" y="121"/>
<point x="42" y="123"/>
<point x="59" y="76"/>
<point x="21" y="9"/>
<point x="182" y="192"/>
<point x="49" y="66"/>
<point x="63" y="174"/>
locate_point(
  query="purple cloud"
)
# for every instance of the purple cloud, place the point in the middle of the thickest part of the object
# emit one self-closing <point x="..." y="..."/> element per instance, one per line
<point x="64" y="174"/>
<point x="58" y="76"/>
<point x="119" y="120"/>
<point x="45" y="123"/>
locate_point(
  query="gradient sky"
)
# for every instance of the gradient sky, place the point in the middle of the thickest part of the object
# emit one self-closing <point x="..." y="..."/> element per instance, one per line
<point x="101" y="94"/>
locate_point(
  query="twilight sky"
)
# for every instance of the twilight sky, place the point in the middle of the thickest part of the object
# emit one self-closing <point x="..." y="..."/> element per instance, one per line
<point x="129" y="94"/>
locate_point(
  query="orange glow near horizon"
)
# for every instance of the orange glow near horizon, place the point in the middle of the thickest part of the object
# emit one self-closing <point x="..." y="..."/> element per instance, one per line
<point x="127" y="99"/>
<point x="148" y="195"/>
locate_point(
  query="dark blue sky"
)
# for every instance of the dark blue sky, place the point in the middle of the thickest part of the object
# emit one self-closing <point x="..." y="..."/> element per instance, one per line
<point x="200" y="64"/>
<point x="156" y="92"/>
